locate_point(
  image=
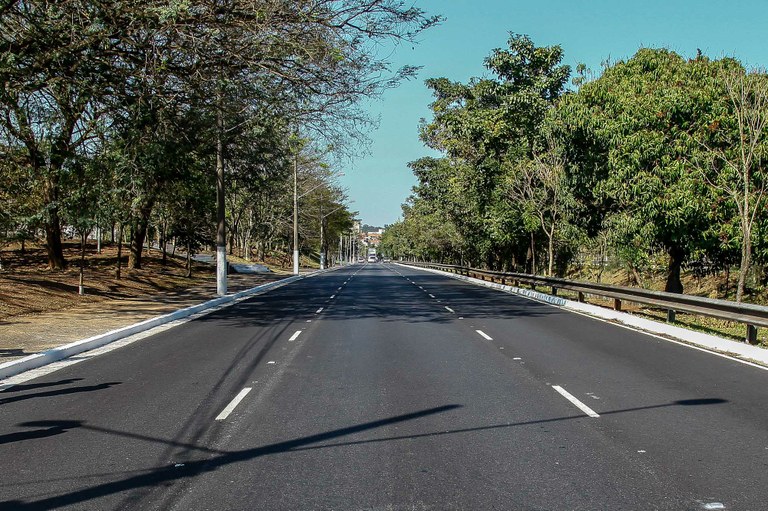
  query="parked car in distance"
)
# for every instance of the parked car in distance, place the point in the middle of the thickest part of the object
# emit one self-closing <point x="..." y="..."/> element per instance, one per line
<point x="371" y="258"/>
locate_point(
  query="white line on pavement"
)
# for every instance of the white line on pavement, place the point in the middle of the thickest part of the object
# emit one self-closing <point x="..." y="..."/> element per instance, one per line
<point x="332" y="297"/>
<point x="295" y="336"/>
<point x="484" y="335"/>
<point x="231" y="406"/>
<point x="450" y="310"/>
<point x="578" y="404"/>
<point x="318" y="311"/>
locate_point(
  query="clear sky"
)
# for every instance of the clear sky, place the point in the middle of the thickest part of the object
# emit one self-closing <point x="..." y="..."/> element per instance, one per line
<point x="588" y="31"/>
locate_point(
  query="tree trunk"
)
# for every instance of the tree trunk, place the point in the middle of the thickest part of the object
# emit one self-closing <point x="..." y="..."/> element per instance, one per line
<point x="83" y="237"/>
<point x="139" y="235"/>
<point x="746" y="260"/>
<point x="533" y="255"/>
<point x="119" y="249"/>
<point x="52" y="224"/>
<point x="676" y="258"/>
<point x="550" y="254"/>
<point x="189" y="261"/>
<point x="53" y="243"/>
<point x="164" y="242"/>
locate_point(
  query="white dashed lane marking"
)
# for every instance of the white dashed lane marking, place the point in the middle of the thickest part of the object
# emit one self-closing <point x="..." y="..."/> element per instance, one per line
<point x="232" y="404"/>
<point x="295" y="336"/>
<point x="578" y="404"/>
<point x="484" y="335"/>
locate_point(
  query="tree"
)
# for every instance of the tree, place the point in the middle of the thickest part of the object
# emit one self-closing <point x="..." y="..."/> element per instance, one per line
<point x="486" y="128"/>
<point x="637" y="122"/>
<point x="540" y="187"/>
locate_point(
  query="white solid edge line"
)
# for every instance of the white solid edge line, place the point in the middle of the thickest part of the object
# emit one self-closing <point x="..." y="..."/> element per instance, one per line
<point x="231" y="406"/>
<point x="578" y="404"/>
<point x="685" y="344"/>
<point x="484" y="335"/>
<point x="295" y="336"/>
<point x="450" y="310"/>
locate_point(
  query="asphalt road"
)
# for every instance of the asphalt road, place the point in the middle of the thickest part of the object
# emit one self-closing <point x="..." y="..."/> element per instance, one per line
<point x="380" y="387"/>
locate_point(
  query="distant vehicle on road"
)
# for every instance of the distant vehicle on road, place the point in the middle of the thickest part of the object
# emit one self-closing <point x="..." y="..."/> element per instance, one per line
<point x="371" y="258"/>
<point x="387" y="260"/>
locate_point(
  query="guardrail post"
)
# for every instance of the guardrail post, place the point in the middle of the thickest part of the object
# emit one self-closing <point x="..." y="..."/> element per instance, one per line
<point x="533" y="286"/>
<point x="581" y="297"/>
<point x="670" y="316"/>
<point x="517" y="283"/>
<point x="554" y="291"/>
<point x="616" y="304"/>
<point x="503" y="281"/>
<point x="751" y="334"/>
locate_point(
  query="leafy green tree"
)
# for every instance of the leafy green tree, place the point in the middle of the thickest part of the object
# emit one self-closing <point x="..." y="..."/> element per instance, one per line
<point x="487" y="128"/>
<point x="540" y="187"/>
<point x="637" y="119"/>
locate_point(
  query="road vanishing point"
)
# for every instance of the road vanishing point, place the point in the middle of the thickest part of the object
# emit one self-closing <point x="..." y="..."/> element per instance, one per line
<point x="385" y="387"/>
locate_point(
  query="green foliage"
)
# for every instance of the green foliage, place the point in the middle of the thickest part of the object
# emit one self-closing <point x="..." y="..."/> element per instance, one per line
<point x="646" y="159"/>
<point x="137" y="95"/>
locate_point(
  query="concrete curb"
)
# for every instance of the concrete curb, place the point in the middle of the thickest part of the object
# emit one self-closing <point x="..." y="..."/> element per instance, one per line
<point x="21" y="365"/>
<point x="735" y="349"/>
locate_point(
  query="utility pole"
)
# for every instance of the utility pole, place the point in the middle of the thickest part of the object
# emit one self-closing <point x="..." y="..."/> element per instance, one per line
<point x="221" y="226"/>
<point x="296" y="213"/>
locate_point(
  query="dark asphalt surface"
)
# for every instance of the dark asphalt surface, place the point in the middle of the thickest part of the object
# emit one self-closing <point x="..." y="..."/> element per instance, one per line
<point x="390" y="399"/>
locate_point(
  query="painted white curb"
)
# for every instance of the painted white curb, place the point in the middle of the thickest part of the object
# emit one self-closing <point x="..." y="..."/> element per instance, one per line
<point x="21" y="365"/>
<point x="735" y="349"/>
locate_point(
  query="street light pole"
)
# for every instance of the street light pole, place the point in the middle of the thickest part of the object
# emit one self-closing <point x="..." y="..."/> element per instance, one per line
<point x="322" y="233"/>
<point x="296" y="214"/>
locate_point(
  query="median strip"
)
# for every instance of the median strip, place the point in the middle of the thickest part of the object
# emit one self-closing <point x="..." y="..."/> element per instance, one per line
<point x="578" y="404"/>
<point x="233" y="404"/>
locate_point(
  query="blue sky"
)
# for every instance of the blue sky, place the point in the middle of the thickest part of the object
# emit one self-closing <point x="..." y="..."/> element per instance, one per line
<point x="588" y="31"/>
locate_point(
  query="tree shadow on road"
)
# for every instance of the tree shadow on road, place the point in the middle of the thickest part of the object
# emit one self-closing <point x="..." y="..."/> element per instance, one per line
<point x="162" y="476"/>
<point x="383" y="295"/>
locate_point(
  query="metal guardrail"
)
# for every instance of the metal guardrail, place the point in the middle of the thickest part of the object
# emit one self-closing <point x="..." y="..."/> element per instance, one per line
<point x="752" y="316"/>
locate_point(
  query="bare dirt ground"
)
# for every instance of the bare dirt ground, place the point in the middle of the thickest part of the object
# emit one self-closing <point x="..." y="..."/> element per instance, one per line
<point x="41" y="309"/>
